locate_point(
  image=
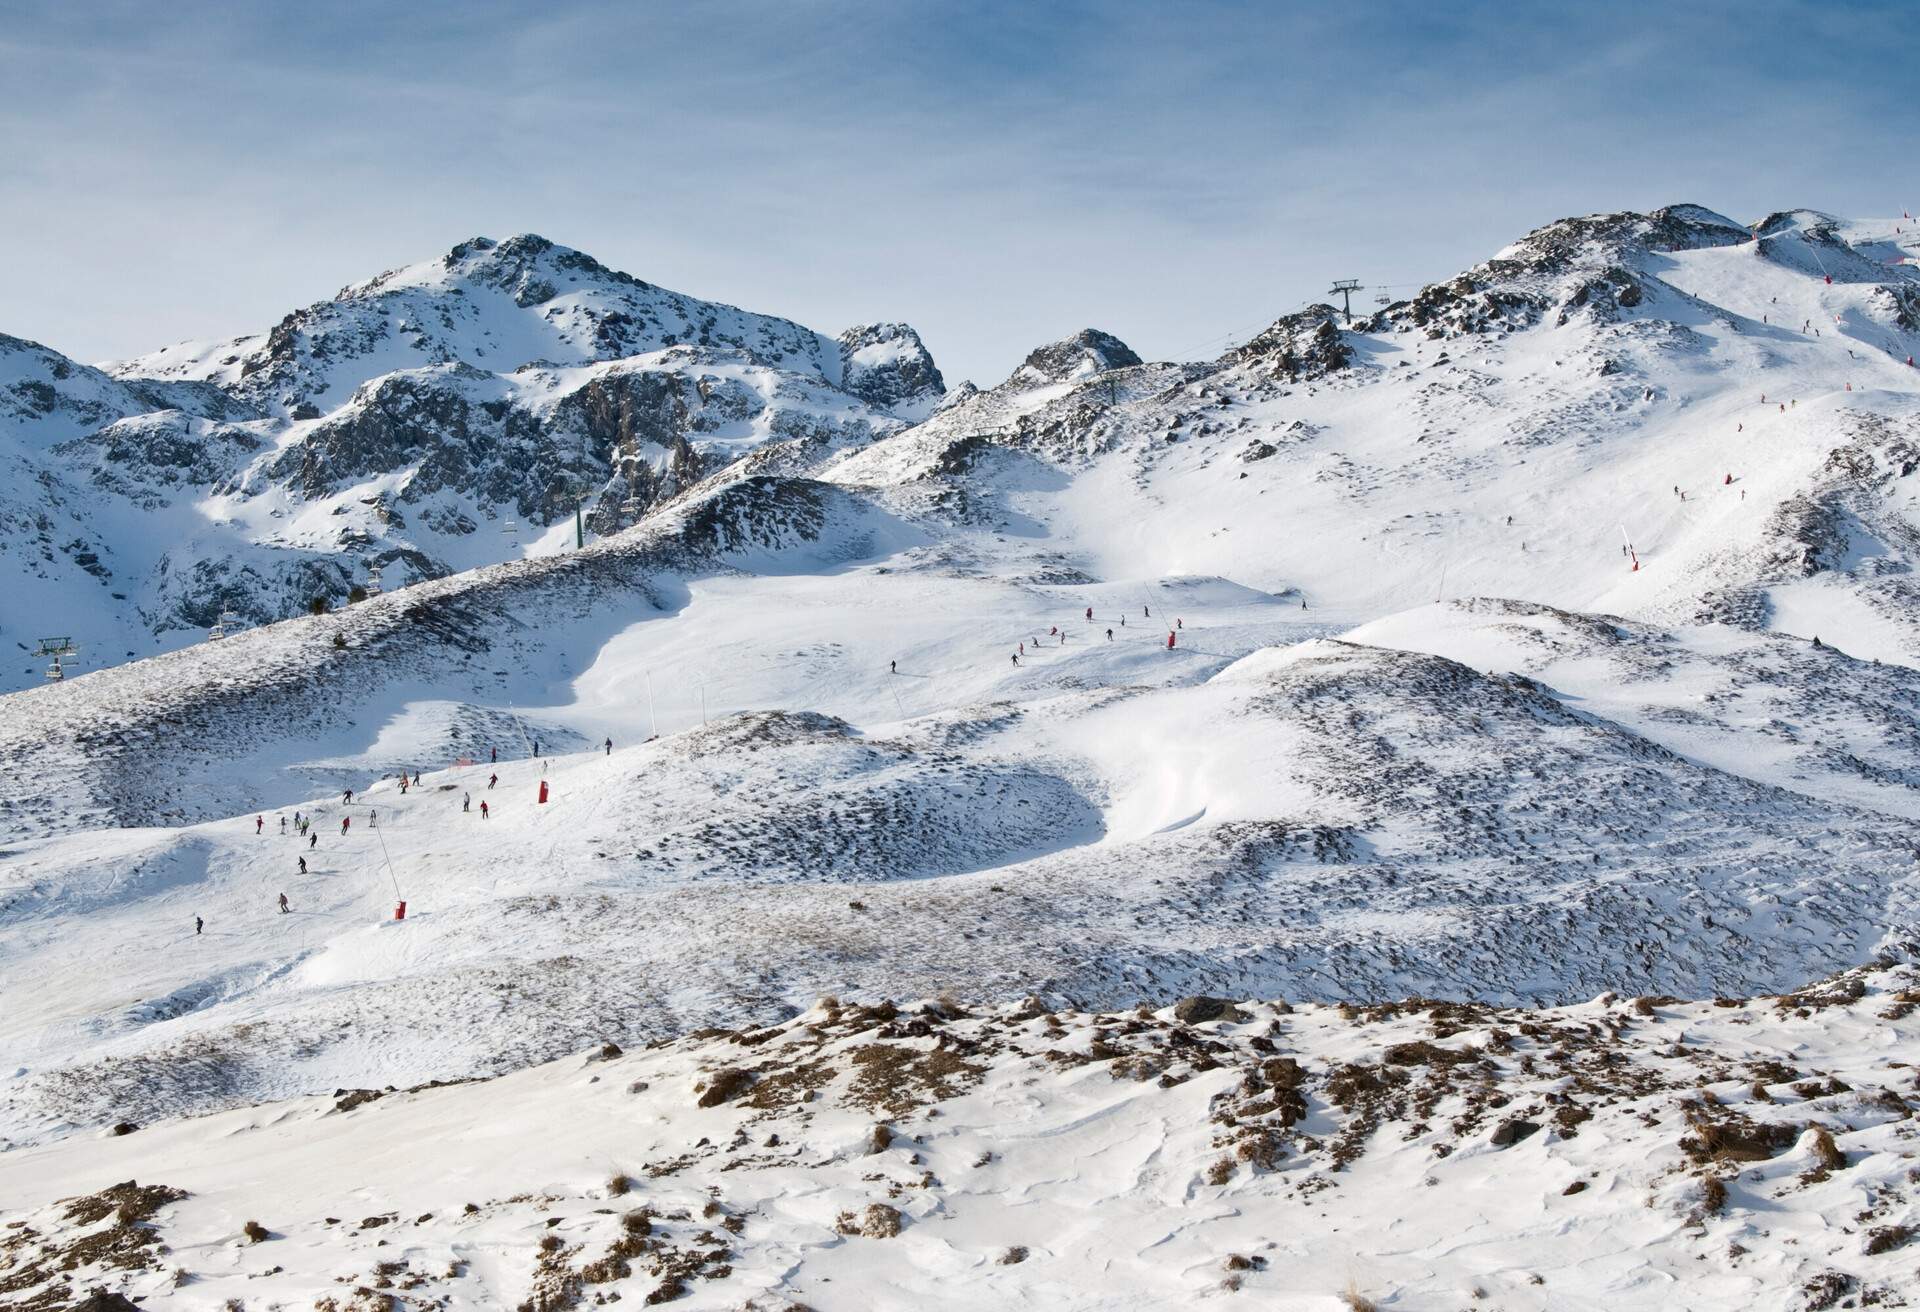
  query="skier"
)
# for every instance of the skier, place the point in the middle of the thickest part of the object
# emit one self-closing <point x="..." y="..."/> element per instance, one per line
<point x="313" y="841"/>
<point x="283" y="904"/>
<point x="258" y="824"/>
<point x="1123" y="621"/>
<point x="483" y="808"/>
<point x="1053" y="631"/>
<point x="283" y="826"/>
<point x="347" y="797"/>
<point x="1509" y="521"/>
<point x="1729" y="482"/>
<point x="1109" y="635"/>
<point x="403" y="783"/>
<point x="493" y="756"/>
<point x="1089" y="614"/>
<point x="198" y="924"/>
<point x="1063" y="637"/>
<point x="893" y="667"/>
<point x="345" y="820"/>
<point x="466" y="801"/>
<point x="1179" y="623"/>
<point x="1023" y="648"/>
<point x="1147" y="611"/>
<point x="1016" y="660"/>
<point x="1169" y="639"/>
<point x="416" y="778"/>
<point x="609" y="747"/>
<point x="536" y="747"/>
<point x="303" y="865"/>
<point x="492" y="779"/>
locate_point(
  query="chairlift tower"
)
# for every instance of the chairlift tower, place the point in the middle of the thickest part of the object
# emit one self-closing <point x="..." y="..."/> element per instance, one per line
<point x="1344" y="289"/>
<point x="56" y="649"/>
<point x="629" y="470"/>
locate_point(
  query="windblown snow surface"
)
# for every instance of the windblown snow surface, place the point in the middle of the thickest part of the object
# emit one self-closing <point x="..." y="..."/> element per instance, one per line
<point x="1484" y="678"/>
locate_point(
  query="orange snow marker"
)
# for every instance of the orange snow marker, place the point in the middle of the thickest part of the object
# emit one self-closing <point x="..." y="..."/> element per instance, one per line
<point x="400" y="911"/>
<point x="1636" y="566"/>
<point x="543" y="790"/>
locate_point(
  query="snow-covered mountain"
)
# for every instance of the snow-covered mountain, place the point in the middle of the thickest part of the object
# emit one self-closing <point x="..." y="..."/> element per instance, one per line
<point x="404" y="425"/>
<point x="1549" y="633"/>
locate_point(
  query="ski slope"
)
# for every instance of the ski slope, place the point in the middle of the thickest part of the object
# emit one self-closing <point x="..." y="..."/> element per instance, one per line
<point x="1504" y="647"/>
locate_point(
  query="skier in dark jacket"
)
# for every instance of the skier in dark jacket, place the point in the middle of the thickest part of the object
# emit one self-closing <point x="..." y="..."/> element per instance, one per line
<point x="303" y="865"/>
<point x="198" y="924"/>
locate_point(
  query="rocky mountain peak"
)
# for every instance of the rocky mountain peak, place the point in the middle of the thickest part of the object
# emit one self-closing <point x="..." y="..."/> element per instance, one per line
<point x="888" y="366"/>
<point x="1082" y="355"/>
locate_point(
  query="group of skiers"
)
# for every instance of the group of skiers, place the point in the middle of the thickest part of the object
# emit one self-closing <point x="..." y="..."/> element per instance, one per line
<point x="302" y="825"/>
<point x="1146" y="612"/>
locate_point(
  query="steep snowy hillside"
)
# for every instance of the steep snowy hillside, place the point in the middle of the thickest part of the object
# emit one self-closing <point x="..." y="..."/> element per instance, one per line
<point x="1753" y="1155"/>
<point x="436" y="418"/>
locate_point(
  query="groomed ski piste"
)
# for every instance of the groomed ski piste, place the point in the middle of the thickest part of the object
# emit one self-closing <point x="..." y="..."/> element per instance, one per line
<point x="1363" y="664"/>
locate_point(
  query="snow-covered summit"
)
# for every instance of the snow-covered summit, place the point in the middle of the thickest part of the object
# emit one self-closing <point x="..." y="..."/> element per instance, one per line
<point x="436" y="417"/>
<point x="493" y="305"/>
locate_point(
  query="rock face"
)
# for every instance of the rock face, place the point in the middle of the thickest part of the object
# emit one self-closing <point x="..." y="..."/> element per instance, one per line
<point x="404" y="423"/>
<point x="1300" y="346"/>
<point x="887" y="366"/>
<point x="1082" y="355"/>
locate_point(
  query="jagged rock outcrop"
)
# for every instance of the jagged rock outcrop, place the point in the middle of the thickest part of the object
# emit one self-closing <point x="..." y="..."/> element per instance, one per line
<point x="1082" y="355"/>
<point x="888" y="366"/>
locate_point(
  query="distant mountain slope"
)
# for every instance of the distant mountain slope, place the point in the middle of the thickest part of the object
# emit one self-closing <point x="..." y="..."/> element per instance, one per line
<point x="404" y="424"/>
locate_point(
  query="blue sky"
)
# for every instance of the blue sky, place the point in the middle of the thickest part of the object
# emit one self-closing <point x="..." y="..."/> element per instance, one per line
<point x="998" y="175"/>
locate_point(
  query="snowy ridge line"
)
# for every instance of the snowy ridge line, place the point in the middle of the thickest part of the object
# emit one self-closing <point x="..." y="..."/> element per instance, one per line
<point x="1726" y="1155"/>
